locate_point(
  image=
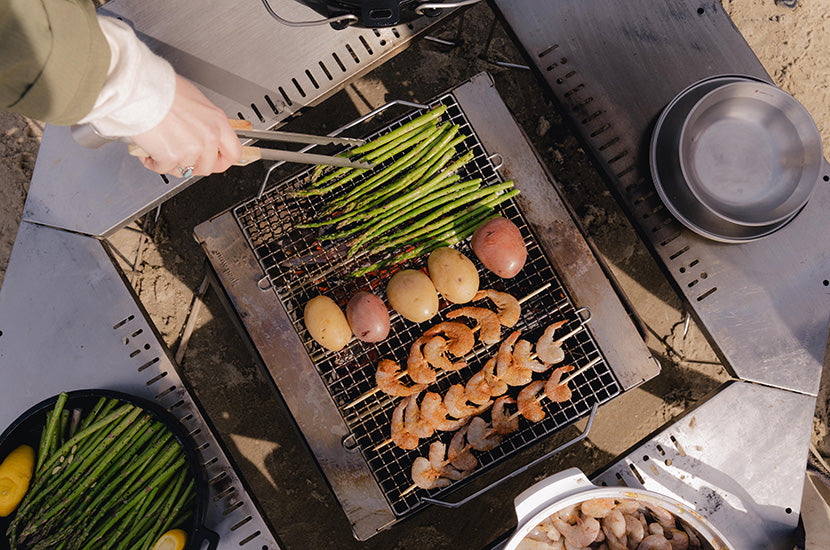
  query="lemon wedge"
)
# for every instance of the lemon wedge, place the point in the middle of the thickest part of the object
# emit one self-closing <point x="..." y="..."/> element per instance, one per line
<point x="173" y="539"/>
<point x="15" y="475"/>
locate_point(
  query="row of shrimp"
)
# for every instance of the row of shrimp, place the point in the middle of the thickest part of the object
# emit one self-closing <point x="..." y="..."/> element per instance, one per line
<point x="460" y="411"/>
<point x="485" y="389"/>
<point x="611" y="524"/>
<point x="443" y="347"/>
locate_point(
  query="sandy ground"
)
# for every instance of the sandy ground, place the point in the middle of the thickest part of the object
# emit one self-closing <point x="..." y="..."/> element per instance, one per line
<point x="165" y="267"/>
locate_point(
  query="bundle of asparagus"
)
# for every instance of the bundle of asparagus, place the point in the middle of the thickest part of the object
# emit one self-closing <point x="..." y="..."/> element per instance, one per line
<point x="412" y="206"/>
<point x="113" y="478"/>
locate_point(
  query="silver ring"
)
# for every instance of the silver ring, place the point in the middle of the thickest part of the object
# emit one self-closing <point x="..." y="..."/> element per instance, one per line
<point x="187" y="171"/>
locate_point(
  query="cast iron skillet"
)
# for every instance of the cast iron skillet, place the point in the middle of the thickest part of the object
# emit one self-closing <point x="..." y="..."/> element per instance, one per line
<point x="27" y="428"/>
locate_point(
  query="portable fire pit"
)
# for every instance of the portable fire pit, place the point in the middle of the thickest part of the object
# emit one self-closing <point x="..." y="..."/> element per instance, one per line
<point x="326" y="390"/>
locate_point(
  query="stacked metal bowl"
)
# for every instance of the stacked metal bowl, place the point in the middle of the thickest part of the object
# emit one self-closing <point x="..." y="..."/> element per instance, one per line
<point x="735" y="159"/>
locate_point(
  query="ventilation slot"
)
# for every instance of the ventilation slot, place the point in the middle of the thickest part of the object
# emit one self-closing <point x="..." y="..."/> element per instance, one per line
<point x="257" y="113"/>
<point x="636" y="473"/>
<point x="271" y="105"/>
<point x="545" y="52"/>
<point x="353" y="54"/>
<point x="123" y="322"/>
<point x="249" y="538"/>
<point x="573" y="90"/>
<point x="234" y="507"/>
<point x="312" y="80"/>
<point x="156" y="378"/>
<point x="299" y="88"/>
<point x="679" y="253"/>
<point x="240" y="523"/>
<point x="366" y="45"/>
<point x="339" y="63"/>
<point x="152" y="361"/>
<point x="706" y="294"/>
<point x="325" y="71"/>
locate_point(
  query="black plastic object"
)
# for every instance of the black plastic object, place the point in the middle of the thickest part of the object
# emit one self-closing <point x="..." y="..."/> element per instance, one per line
<point x="371" y="13"/>
<point x="26" y="429"/>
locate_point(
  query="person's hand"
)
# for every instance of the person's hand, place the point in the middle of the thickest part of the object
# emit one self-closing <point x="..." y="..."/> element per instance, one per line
<point x="195" y="134"/>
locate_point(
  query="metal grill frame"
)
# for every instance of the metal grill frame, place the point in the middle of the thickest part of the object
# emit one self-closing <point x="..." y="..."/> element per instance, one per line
<point x="349" y="373"/>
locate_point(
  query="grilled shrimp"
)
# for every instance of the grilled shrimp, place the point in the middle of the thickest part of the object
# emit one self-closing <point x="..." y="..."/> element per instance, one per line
<point x="459" y="453"/>
<point x="414" y="423"/>
<point x="461" y="337"/>
<point x="548" y="349"/>
<point x="387" y="380"/>
<point x="456" y="402"/>
<point x="481" y="436"/>
<point x="522" y="356"/>
<point x="434" y="411"/>
<point x="402" y="437"/>
<point x="434" y="354"/>
<point x="507" y="369"/>
<point x="509" y="309"/>
<point x="417" y="367"/>
<point x="529" y="405"/>
<point x="597" y="507"/>
<point x="485" y="319"/>
<point x="503" y="423"/>
<point x="477" y="390"/>
<point x="425" y="476"/>
<point x="556" y="391"/>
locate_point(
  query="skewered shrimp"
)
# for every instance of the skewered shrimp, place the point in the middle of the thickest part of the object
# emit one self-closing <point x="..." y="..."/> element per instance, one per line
<point x="434" y="411"/>
<point x="507" y="369"/>
<point x="417" y="367"/>
<point x="554" y="390"/>
<point x="481" y="436"/>
<point x="414" y="423"/>
<point x="502" y="422"/>
<point x="523" y="356"/>
<point x="434" y="351"/>
<point x="459" y="453"/>
<point x="477" y="390"/>
<point x="402" y="437"/>
<point x="425" y="476"/>
<point x="461" y="338"/>
<point x="456" y="402"/>
<point x="509" y="309"/>
<point x="528" y="400"/>
<point x="548" y="349"/>
<point x="486" y="321"/>
<point x="388" y="382"/>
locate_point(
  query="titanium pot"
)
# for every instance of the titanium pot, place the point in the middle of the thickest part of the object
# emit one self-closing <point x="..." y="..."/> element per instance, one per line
<point x="571" y="487"/>
<point x="27" y="429"/>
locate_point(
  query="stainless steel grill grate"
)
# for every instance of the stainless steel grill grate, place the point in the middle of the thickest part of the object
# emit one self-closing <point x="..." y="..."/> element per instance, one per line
<point x="298" y="269"/>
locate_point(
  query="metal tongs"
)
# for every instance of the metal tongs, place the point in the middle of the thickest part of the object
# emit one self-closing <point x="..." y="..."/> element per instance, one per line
<point x="86" y="135"/>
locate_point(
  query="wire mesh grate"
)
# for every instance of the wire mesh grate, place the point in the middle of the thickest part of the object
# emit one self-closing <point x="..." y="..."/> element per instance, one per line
<point x="300" y="268"/>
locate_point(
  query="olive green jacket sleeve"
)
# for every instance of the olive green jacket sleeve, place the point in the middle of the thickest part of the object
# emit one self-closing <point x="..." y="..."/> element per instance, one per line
<point x="53" y="59"/>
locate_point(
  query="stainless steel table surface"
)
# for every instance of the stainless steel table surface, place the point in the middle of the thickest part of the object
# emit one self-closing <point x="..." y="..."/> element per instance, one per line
<point x="614" y="66"/>
<point x="69" y="321"/>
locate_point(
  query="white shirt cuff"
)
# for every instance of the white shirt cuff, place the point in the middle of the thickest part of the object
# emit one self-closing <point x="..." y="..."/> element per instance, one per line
<point x="139" y="89"/>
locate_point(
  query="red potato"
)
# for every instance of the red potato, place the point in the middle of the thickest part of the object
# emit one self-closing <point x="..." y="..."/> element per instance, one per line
<point x="499" y="245"/>
<point x="368" y="317"/>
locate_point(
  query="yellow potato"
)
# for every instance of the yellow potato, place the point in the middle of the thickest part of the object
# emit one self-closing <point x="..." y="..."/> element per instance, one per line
<point x="413" y="295"/>
<point x="326" y="323"/>
<point x="453" y="274"/>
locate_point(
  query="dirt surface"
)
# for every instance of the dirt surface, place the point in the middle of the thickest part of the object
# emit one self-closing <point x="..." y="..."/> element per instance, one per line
<point x="165" y="266"/>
